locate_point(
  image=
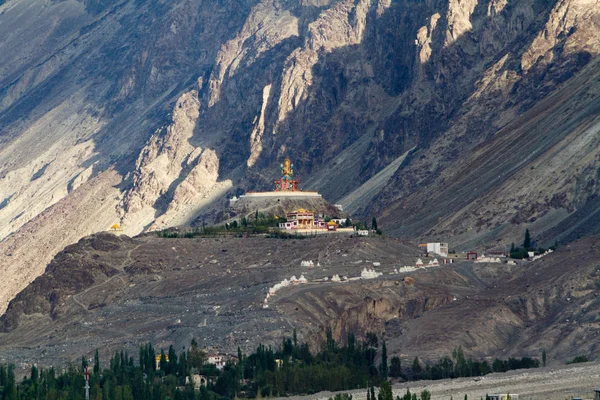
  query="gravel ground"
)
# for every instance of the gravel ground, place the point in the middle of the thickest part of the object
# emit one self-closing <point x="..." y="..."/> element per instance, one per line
<point x="565" y="382"/>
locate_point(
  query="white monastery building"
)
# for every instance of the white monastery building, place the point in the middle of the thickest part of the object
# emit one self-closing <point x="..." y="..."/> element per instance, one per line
<point x="437" y="248"/>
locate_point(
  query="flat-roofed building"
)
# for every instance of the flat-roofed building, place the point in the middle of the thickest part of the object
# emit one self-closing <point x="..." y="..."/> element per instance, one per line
<point x="437" y="248"/>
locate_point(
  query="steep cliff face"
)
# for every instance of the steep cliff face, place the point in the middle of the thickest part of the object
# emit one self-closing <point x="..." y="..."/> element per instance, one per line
<point x="463" y="120"/>
<point x="521" y="149"/>
<point x="172" y="178"/>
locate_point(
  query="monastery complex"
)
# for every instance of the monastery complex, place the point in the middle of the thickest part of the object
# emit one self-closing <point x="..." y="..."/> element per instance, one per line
<point x="300" y="221"/>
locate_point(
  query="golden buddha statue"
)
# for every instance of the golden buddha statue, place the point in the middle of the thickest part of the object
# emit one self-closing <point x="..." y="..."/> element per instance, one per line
<point x="287" y="183"/>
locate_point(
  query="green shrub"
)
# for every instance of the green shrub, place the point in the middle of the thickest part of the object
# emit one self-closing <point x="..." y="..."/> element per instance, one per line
<point x="578" y="359"/>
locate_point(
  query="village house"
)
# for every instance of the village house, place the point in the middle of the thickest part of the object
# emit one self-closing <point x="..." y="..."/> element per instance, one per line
<point x="219" y="359"/>
<point x="436" y="248"/>
<point x="339" y="221"/>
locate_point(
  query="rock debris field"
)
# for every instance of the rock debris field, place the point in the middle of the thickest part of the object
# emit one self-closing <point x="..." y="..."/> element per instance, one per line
<point x="111" y="292"/>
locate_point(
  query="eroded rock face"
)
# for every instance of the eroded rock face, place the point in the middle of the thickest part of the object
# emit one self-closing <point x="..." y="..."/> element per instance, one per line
<point x="161" y="161"/>
<point x="491" y="104"/>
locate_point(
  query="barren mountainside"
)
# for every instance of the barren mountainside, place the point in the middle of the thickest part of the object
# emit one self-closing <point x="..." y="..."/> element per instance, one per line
<point x="112" y="292"/>
<point x="458" y="120"/>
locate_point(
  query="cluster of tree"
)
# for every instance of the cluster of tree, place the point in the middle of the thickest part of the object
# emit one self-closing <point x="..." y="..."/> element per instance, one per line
<point x="229" y="229"/>
<point x="374" y="226"/>
<point x="578" y="359"/>
<point x="360" y="225"/>
<point x="458" y="366"/>
<point x="528" y="245"/>
<point x="385" y="393"/>
<point x="293" y="368"/>
<point x="260" y="225"/>
<point x="290" y="369"/>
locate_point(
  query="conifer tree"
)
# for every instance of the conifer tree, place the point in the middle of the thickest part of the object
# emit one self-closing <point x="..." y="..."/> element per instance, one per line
<point x="295" y="339"/>
<point x="385" y="391"/>
<point x="395" y="367"/>
<point x="172" y="364"/>
<point x="34" y="374"/>
<point x="163" y="361"/>
<point x="416" y="367"/>
<point x="544" y="357"/>
<point x="383" y="367"/>
<point x="96" y="363"/>
<point x="527" y="240"/>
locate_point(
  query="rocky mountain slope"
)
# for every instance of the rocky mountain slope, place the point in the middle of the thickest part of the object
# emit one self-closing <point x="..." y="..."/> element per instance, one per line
<point x="113" y="292"/>
<point x="462" y="120"/>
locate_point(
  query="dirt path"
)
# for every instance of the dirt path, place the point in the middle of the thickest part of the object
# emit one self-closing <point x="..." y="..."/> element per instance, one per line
<point x="122" y="267"/>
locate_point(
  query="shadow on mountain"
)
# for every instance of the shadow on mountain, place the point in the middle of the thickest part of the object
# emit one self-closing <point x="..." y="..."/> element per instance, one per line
<point x="420" y="103"/>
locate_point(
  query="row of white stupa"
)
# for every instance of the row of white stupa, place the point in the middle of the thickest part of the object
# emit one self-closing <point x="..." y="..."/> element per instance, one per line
<point x="484" y="259"/>
<point x="365" y="274"/>
<point x="284" y="283"/>
<point x="309" y="264"/>
<point x="432" y="263"/>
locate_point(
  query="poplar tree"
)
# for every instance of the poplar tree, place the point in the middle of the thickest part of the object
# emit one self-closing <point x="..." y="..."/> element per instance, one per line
<point x="96" y="363"/>
<point x="383" y="368"/>
<point x="385" y="391"/>
<point x="544" y="357"/>
<point x="395" y="367"/>
<point x="527" y="241"/>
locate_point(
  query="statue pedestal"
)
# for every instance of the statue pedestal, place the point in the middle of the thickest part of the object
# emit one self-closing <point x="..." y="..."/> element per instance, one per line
<point x="298" y="194"/>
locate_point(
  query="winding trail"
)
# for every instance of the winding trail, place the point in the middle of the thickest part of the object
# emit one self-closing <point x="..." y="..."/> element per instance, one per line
<point x="128" y="261"/>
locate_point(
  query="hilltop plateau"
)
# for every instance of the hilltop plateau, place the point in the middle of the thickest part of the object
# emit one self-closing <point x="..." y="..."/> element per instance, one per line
<point x="113" y="292"/>
<point x="278" y="206"/>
